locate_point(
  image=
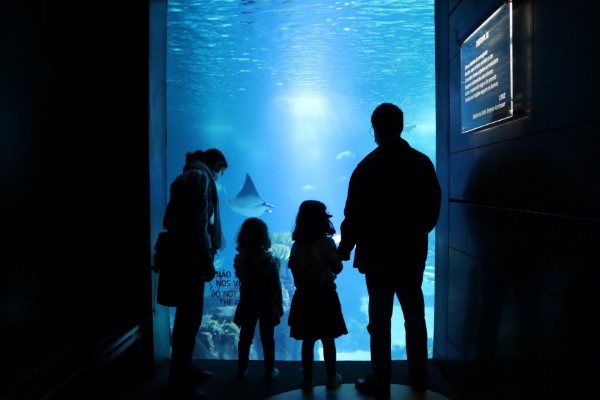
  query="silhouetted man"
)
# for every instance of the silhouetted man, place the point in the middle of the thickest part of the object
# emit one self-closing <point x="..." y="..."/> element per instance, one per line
<point x="393" y="203"/>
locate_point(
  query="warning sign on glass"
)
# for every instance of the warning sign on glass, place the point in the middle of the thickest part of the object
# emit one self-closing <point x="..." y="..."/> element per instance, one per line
<point x="486" y="67"/>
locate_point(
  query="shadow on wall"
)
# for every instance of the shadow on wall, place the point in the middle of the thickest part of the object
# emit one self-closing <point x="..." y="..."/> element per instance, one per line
<point x="527" y="296"/>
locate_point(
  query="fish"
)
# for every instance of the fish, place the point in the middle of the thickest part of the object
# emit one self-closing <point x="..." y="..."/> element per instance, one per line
<point x="308" y="188"/>
<point x="248" y="202"/>
<point x="344" y="155"/>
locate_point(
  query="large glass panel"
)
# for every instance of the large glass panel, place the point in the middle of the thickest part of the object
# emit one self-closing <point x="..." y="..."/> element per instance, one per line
<point x="286" y="89"/>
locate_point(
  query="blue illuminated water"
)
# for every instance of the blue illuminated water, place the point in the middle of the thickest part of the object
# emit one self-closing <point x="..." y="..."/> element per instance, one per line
<point x="286" y="89"/>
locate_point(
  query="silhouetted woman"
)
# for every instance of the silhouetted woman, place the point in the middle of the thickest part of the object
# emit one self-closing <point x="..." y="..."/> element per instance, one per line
<point x="193" y="223"/>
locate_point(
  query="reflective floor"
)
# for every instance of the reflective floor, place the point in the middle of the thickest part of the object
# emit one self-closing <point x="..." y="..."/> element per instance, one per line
<point x="348" y="392"/>
<point x="226" y="386"/>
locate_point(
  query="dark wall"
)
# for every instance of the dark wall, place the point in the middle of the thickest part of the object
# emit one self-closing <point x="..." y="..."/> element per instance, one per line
<point x="75" y="248"/>
<point x="516" y="261"/>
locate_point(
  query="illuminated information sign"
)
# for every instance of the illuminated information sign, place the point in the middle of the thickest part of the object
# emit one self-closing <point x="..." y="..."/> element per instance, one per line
<point x="486" y="67"/>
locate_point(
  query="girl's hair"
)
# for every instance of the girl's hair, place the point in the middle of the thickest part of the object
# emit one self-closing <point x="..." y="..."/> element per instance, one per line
<point x="253" y="236"/>
<point x="312" y="221"/>
<point x="210" y="157"/>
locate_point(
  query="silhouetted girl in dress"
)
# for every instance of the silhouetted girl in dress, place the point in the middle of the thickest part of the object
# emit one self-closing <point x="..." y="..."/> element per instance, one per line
<point x="315" y="312"/>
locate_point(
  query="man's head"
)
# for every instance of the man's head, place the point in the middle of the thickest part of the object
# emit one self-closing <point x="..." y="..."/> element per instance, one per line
<point x="387" y="121"/>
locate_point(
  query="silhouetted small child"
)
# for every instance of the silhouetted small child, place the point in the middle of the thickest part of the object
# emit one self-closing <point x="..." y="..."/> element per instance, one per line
<point x="316" y="312"/>
<point x="260" y="294"/>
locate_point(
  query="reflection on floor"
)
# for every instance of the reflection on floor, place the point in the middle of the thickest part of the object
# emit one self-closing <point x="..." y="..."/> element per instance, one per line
<point x="348" y="392"/>
<point x="226" y="386"/>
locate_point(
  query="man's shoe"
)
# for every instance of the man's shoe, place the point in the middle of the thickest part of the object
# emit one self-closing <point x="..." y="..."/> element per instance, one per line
<point x="368" y="387"/>
<point x="334" y="382"/>
<point x="199" y="375"/>
<point x="307" y="385"/>
<point x="418" y="385"/>
<point x="418" y="381"/>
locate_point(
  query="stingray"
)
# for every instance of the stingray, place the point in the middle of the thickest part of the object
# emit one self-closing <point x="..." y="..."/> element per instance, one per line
<point x="248" y="202"/>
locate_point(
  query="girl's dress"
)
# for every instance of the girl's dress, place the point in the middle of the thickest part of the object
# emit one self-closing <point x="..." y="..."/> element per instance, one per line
<point x="315" y="311"/>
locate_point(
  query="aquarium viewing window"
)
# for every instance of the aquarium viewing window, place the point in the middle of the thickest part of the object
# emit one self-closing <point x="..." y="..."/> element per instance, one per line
<point x="286" y="90"/>
<point x="486" y="68"/>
